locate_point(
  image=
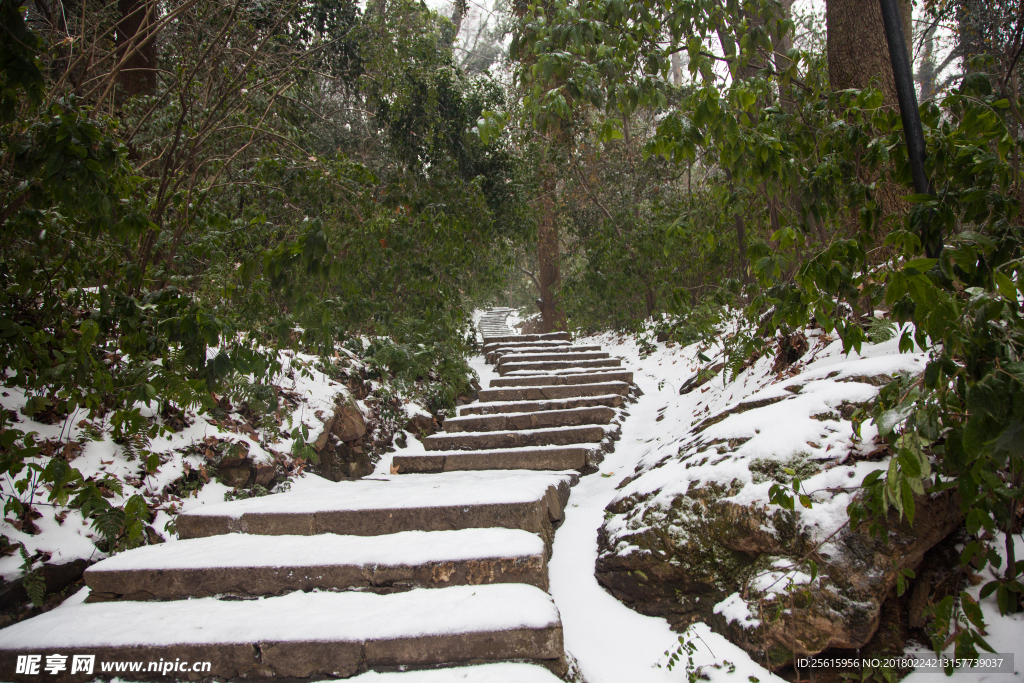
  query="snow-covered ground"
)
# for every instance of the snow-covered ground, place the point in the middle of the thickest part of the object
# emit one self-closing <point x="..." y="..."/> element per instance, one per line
<point x="607" y="641"/>
<point x="613" y="644"/>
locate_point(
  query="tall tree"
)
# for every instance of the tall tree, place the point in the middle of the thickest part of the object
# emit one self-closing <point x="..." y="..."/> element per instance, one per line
<point x="858" y="55"/>
<point x="552" y="117"/>
<point x="136" y="47"/>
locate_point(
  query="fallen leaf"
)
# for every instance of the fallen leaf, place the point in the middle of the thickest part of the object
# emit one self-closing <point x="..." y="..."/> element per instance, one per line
<point x="394" y="469"/>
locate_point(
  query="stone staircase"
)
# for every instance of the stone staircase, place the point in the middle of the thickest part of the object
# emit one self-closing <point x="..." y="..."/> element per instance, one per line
<point x="441" y="565"/>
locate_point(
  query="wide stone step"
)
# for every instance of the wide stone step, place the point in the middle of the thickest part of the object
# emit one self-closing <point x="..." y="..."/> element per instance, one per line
<point x="387" y="505"/>
<point x="553" y="379"/>
<point x="551" y="392"/>
<point x="612" y="400"/>
<point x="536" y="458"/>
<point x="298" y="635"/>
<point x="538" y="420"/>
<point x="520" y="439"/>
<point x="544" y="366"/>
<point x="502" y="351"/>
<point x="550" y="336"/>
<point x="491" y="347"/>
<point x="243" y="564"/>
<point x="500" y="672"/>
<point x="569" y="356"/>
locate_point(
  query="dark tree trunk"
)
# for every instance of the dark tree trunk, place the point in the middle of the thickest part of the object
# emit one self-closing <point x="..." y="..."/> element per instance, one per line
<point x="135" y="39"/>
<point x="858" y="55"/>
<point x="549" y="273"/>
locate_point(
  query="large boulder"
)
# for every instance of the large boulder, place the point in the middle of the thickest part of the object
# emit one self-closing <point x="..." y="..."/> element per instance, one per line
<point x="340" y="450"/>
<point x="693" y="535"/>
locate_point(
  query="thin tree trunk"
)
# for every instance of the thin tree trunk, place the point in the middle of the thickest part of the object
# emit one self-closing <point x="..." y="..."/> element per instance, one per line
<point x="549" y="274"/>
<point x="134" y="35"/>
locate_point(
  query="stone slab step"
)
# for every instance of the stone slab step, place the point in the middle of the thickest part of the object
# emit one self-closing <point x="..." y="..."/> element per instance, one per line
<point x="550" y="392"/>
<point x="589" y="415"/>
<point x="553" y="347"/>
<point x="541" y="366"/>
<point x="570" y="355"/>
<point x="519" y="439"/>
<point x="243" y="564"/>
<point x="298" y="635"/>
<point x="532" y="501"/>
<point x="501" y="672"/>
<point x="535" y="458"/>
<point x="554" y="379"/>
<point x="501" y="351"/>
<point x="612" y="400"/>
<point x="490" y="347"/>
<point x="550" y="336"/>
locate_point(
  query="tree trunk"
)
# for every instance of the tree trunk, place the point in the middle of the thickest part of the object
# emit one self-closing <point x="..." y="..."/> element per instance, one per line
<point x="549" y="274"/>
<point x="783" y="62"/>
<point x="858" y="55"/>
<point x="134" y="38"/>
<point x="926" y="72"/>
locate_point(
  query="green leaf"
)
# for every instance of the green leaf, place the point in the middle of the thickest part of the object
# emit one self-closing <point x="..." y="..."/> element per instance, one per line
<point x="918" y="198"/>
<point x="909" y="463"/>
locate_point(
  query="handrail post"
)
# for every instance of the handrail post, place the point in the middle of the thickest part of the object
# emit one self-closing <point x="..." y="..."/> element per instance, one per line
<point x="912" y="128"/>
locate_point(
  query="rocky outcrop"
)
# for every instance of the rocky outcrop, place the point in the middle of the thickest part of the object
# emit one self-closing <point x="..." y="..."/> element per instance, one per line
<point x="695" y="534"/>
<point x="340" y="450"/>
<point x="738" y="568"/>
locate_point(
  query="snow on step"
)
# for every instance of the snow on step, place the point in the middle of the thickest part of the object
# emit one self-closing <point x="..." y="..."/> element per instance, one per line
<point x="533" y="458"/>
<point x="569" y="364"/>
<point x="389" y="504"/>
<point x="253" y="565"/>
<point x="517" y="439"/>
<point x="303" y="634"/>
<point x="552" y="343"/>
<point x="551" y="392"/>
<point x="552" y="379"/>
<point x="550" y="336"/>
<point x="504" y="672"/>
<point x="538" y="347"/>
<point x="492" y="357"/>
<point x="610" y="400"/>
<point x="552" y="356"/>
<point x="586" y="415"/>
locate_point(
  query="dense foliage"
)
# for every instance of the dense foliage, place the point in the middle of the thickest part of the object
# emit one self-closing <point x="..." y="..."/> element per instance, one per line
<point x="802" y="184"/>
<point x="269" y="176"/>
<point x="183" y="198"/>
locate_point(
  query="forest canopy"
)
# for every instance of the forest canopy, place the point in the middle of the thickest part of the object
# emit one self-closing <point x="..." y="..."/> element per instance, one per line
<point x="188" y="187"/>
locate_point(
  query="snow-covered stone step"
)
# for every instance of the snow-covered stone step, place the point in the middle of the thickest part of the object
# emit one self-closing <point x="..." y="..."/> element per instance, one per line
<point x="532" y="501"/>
<point x="299" y="635"/>
<point x="550" y="392"/>
<point x="243" y="564"/>
<point x="561" y="436"/>
<point x="550" y="336"/>
<point x="538" y="420"/>
<point x="612" y="400"/>
<point x="502" y="672"/>
<point x="491" y="347"/>
<point x="536" y="458"/>
<point x="554" y="378"/>
<point x="537" y="347"/>
<point x="495" y="356"/>
<point x="569" y="355"/>
<point x="542" y="366"/>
